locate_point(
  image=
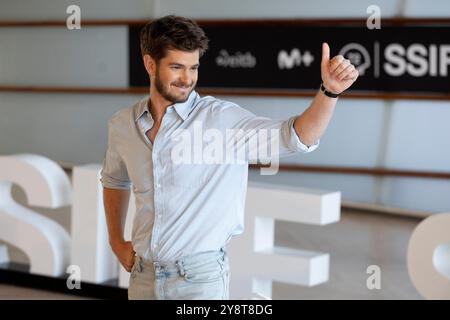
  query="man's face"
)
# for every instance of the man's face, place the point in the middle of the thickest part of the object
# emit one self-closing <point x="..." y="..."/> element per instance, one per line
<point x="176" y="75"/>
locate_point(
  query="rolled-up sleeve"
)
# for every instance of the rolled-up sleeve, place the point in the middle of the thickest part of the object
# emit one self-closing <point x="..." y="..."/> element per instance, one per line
<point x="291" y="138"/>
<point x="114" y="173"/>
<point x="289" y="141"/>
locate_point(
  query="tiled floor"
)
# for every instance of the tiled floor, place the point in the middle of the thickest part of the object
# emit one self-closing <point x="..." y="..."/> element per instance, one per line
<point x="359" y="240"/>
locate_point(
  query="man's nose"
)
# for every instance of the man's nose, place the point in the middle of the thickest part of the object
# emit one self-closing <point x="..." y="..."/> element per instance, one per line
<point x="186" y="78"/>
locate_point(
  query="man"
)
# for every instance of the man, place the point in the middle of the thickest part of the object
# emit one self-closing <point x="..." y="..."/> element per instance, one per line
<point x="186" y="213"/>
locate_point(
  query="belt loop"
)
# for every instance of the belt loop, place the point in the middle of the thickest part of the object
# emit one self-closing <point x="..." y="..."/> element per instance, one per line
<point x="179" y="263"/>
<point x="224" y="252"/>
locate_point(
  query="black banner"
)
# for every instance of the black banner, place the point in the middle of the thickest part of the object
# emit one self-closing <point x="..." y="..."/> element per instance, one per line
<point x="402" y="59"/>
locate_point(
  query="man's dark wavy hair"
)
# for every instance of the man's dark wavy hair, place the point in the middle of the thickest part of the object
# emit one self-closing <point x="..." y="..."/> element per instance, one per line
<point x="172" y="33"/>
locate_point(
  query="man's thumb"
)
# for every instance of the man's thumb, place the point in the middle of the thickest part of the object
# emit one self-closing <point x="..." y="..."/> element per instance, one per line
<point x="325" y="53"/>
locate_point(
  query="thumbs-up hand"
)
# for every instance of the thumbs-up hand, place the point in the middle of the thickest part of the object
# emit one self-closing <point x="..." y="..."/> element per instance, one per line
<point x="338" y="74"/>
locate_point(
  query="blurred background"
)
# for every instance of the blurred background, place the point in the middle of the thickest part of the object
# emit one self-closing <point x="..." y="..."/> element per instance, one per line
<point x="388" y="154"/>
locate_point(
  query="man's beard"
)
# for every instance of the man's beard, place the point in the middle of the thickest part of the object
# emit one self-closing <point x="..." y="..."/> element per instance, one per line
<point x="165" y="92"/>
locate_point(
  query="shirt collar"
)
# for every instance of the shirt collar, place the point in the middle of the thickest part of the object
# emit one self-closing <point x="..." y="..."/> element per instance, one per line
<point x="183" y="108"/>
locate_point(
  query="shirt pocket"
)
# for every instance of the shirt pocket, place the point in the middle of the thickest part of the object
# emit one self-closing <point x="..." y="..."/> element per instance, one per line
<point x="189" y="175"/>
<point x="186" y="174"/>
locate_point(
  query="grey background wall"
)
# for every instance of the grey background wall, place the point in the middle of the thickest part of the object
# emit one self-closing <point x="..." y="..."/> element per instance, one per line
<point x="72" y="127"/>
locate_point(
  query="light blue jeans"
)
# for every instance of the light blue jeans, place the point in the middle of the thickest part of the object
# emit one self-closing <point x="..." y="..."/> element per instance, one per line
<point x="203" y="275"/>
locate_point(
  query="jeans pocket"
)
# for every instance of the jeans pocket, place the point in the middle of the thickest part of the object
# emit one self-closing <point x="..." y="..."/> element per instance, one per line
<point x="136" y="265"/>
<point x="208" y="273"/>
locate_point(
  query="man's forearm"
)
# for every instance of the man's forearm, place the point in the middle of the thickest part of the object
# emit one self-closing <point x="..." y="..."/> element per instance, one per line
<point x="116" y="206"/>
<point x="313" y="122"/>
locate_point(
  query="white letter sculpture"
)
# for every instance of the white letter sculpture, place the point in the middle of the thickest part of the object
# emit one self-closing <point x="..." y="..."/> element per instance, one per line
<point x="429" y="257"/>
<point x="90" y="243"/>
<point x="256" y="260"/>
<point x="45" y="242"/>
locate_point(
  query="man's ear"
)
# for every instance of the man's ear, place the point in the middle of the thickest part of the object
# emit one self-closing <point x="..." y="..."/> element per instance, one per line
<point x="150" y="65"/>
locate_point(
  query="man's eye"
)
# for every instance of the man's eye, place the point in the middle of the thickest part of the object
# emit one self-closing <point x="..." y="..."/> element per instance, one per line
<point x="176" y="67"/>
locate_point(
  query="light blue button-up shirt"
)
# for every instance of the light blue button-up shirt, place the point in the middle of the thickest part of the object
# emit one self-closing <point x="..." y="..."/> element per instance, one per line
<point x="184" y="208"/>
